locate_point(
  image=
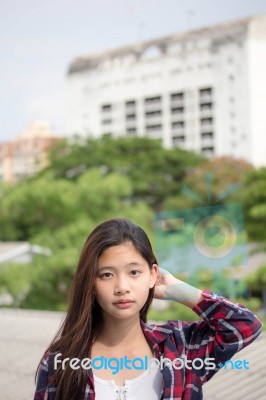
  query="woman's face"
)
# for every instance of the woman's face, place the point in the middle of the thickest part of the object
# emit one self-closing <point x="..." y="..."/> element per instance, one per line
<point x="123" y="281"/>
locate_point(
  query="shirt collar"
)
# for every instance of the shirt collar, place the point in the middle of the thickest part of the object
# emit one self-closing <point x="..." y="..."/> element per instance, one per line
<point x="155" y="334"/>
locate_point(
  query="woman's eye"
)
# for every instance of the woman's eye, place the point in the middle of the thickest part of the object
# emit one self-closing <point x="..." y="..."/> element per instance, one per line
<point x="106" y="275"/>
<point x="135" y="272"/>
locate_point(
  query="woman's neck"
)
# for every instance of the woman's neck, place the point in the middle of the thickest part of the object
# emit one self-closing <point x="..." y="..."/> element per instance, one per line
<point x="122" y="332"/>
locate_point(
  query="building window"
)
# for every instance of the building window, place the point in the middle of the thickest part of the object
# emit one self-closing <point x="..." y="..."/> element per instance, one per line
<point x="107" y="121"/>
<point x="205" y="91"/>
<point x="177" y="140"/>
<point x="206" y="125"/>
<point x="177" y="99"/>
<point x="153" y="100"/>
<point x="177" y="110"/>
<point x="206" y="121"/>
<point x="178" y="128"/>
<point x="156" y="113"/>
<point x="207" y="135"/>
<point x="131" y="103"/>
<point x="152" y="105"/>
<point x="179" y="124"/>
<point x="131" y="131"/>
<point x="206" y="107"/>
<point x="130" y="114"/>
<point x="177" y="96"/>
<point x="205" y="95"/>
<point x="153" y="128"/>
<point x="130" y="117"/>
<point x="107" y="107"/>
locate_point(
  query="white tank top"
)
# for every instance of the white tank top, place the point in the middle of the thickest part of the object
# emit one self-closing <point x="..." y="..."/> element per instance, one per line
<point x="147" y="385"/>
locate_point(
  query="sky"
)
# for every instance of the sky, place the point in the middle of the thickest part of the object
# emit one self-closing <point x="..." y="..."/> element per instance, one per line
<point x="39" y="39"/>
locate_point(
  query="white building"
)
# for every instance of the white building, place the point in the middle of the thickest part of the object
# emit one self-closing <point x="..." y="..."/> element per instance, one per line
<point x="203" y="90"/>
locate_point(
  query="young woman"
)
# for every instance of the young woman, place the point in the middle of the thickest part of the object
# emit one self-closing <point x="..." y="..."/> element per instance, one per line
<point x="116" y="279"/>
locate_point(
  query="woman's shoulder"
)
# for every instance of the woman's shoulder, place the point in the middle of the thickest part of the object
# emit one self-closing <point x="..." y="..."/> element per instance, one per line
<point x="47" y="362"/>
<point x="48" y="354"/>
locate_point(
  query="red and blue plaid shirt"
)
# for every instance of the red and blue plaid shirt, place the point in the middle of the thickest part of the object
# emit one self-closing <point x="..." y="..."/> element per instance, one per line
<point x="226" y="329"/>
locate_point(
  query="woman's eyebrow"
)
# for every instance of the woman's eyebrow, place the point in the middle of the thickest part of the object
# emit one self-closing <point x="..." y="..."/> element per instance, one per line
<point x="131" y="264"/>
<point x="105" y="267"/>
<point x="134" y="263"/>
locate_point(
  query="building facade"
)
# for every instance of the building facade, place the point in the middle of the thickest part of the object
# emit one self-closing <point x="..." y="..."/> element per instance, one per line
<point x="202" y="90"/>
<point x="27" y="153"/>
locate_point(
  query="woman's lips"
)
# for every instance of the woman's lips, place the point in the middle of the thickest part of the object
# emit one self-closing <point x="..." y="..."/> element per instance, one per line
<point x="123" y="303"/>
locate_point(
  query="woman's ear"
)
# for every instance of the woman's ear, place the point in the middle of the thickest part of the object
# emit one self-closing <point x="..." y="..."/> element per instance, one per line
<point x="154" y="274"/>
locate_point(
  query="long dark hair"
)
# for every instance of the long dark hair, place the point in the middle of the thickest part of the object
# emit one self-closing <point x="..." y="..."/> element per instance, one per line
<point x="83" y="320"/>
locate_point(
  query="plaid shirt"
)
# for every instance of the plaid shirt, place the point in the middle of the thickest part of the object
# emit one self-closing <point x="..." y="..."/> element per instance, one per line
<point x="226" y="329"/>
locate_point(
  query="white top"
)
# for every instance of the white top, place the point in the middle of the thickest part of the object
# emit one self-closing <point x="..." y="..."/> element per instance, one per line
<point x="147" y="385"/>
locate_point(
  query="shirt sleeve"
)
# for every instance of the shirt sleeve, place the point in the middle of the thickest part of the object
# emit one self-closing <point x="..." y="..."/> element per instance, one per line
<point x="226" y="329"/>
<point x="41" y="392"/>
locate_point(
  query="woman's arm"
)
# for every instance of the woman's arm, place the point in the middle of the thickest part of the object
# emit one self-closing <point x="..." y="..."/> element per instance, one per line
<point x="170" y="288"/>
<point x="226" y="327"/>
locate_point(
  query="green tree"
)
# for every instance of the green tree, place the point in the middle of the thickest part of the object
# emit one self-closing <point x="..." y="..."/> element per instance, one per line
<point x="154" y="172"/>
<point x="15" y="280"/>
<point x="256" y="281"/>
<point x="208" y="181"/>
<point x="36" y="205"/>
<point x="254" y="204"/>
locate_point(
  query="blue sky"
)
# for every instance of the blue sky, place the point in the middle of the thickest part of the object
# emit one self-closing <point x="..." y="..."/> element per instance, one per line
<point x="38" y="39"/>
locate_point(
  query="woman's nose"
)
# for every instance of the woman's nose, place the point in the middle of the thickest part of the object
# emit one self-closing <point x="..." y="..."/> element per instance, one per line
<point x="121" y="286"/>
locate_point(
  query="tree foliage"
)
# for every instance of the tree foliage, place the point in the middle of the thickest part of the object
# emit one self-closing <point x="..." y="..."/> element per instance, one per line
<point x="254" y="204"/>
<point x="91" y="180"/>
<point x="154" y="172"/>
<point x="209" y="180"/>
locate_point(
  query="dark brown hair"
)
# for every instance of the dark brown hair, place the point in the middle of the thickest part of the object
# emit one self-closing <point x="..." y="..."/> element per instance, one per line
<point x="83" y="320"/>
